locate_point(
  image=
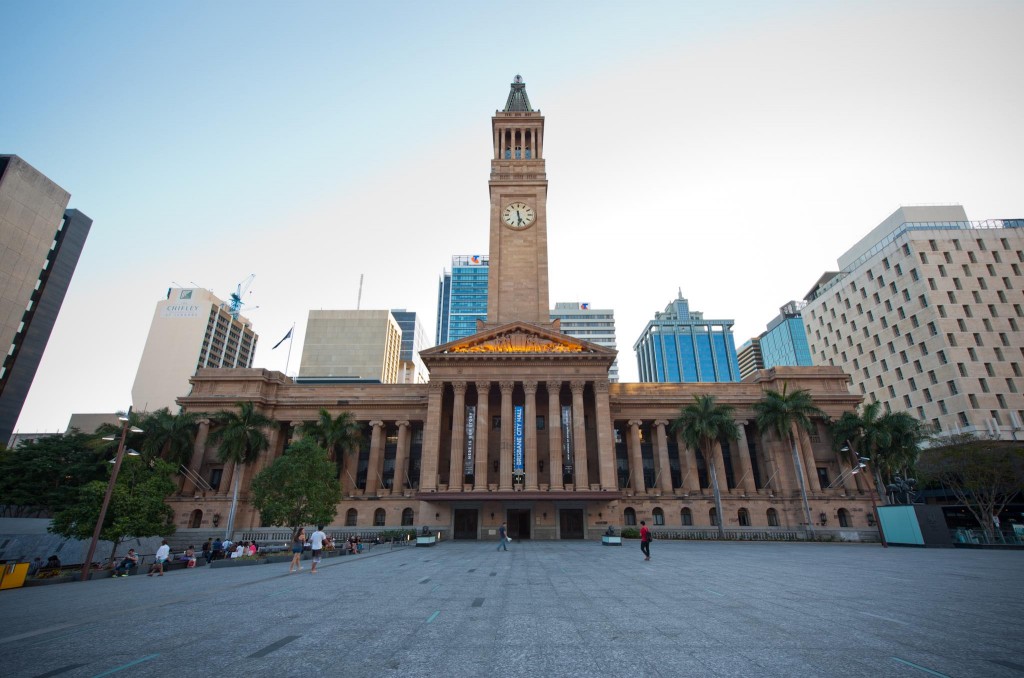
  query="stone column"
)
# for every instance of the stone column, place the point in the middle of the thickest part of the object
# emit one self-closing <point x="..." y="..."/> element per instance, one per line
<point x="530" y="434"/>
<point x="376" y="464"/>
<point x="401" y="458"/>
<point x="195" y="465"/>
<point x="555" y="470"/>
<point x="456" y="474"/>
<point x="483" y="429"/>
<point x="688" y="466"/>
<point x="661" y="447"/>
<point x="507" y="427"/>
<point x="431" y="437"/>
<point x="743" y="465"/>
<point x="579" y="436"/>
<point x="605" y="437"/>
<point x="636" y="461"/>
<point x="807" y="459"/>
<point x="225" y="479"/>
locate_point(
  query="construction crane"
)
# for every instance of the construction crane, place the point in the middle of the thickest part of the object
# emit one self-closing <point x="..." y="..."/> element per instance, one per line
<point x="236" y="303"/>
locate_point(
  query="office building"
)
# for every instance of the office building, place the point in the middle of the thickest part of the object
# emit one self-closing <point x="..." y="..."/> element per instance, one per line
<point x="596" y="325"/>
<point x="361" y="346"/>
<point x="411" y="369"/>
<point x="681" y="346"/>
<point x="462" y="297"/>
<point x="520" y="424"/>
<point x="925" y="314"/>
<point x="40" y="243"/>
<point x="749" y="357"/>
<point x="785" y="340"/>
<point x="191" y="329"/>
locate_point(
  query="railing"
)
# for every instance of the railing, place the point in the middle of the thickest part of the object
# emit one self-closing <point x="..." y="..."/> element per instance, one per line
<point x="963" y="535"/>
<point x="768" y="534"/>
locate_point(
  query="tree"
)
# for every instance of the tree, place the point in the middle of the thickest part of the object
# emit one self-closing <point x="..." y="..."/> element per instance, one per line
<point x="240" y="440"/>
<point x="169" y="436"/>
<point x="984" y="475"/>
<point x="43" y="476"/>
<point x="891" y="441"/>
<point x="338" y="435"/>
<point x="137" y="506"/>
<point x="702" y="424"/>
<point x="299" y="488"/>
<point x="782" y="413"/>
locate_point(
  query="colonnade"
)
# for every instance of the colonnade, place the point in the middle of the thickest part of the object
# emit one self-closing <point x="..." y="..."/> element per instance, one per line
<point x="520" y="138"/>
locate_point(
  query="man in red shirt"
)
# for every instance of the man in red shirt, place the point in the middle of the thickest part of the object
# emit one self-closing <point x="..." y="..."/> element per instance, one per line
<point x="645" y="540"/>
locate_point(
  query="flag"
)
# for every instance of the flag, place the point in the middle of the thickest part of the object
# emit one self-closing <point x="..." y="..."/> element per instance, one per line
<point x="285" y="337"/>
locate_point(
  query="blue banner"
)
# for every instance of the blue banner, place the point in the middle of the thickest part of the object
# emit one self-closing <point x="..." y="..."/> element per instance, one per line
<point x="518" y="462"/>
<point x="469" y="458"/>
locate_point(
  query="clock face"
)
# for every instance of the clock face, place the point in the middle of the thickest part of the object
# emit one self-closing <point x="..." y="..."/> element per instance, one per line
<point x="518" y="215"/>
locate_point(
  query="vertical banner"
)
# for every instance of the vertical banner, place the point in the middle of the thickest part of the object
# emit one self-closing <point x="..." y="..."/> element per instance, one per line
<point x="567" y="446"/>
<point x="469" y="459"/>
<point x="518" y="461"/>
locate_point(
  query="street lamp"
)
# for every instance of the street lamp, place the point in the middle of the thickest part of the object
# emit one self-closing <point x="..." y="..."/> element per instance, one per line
<point x="862" y="464"/>
<point x="125" y="427"/>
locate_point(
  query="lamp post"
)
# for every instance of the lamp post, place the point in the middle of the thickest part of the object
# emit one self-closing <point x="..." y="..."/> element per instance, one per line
<point x="862" y="463"/>
<point x="125" y="427"/>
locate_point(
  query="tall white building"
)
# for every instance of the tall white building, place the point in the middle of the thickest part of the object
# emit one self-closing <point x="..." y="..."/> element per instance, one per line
<point x="351" y="346"/>
<point x="596" y="325"/>
<point x="925" y="314"/>
<point x="191" y="328"/>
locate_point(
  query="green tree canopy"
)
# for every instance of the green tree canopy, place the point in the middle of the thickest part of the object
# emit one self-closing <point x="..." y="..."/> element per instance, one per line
<point x="984" y="475"/>
<point x="702" y="424"/>
<point x="892" y="441"/>
<point x="137" y="506"/>
<point x="240" y="439"/>
<point x="338" y="435"/>
<point x="169" y="436"/>
<point x="299" y="488"/>
<point x="43" y="476"/>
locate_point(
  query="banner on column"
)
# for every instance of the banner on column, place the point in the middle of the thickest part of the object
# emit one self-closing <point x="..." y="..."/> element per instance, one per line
<point x="518" y="461"/>
<point x="567" y="444"/>
<point x="469" y="459"/>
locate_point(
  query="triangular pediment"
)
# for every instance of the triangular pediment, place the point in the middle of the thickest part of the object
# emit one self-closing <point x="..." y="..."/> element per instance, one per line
<point x="517" y="338"/>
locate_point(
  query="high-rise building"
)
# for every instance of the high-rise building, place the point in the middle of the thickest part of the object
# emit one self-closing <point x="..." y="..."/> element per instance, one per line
<point x="462" y="297"/>
<point x="40" y="243"/>
<point x="411" y="369"/>
<point x="925" y="314"/>
<point x="191" y="328"/>
<point x="785" y="340"/>
<point x="749" y="357"/>
<point x="679" y="345"/>
<point x="596" y="325"/>
<point x="351" y="345"/>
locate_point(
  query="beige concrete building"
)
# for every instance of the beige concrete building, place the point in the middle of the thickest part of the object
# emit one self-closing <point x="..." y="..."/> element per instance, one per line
<point x="191" y="329"/>
<point x="352" y="346"/>
<point x="40" y="243"/>
<point x="520" y="424"/>
<point x="925" y="314"/>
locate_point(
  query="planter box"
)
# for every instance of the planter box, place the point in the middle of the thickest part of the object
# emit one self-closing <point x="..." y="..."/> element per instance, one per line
<point x="611" y="541"/>
<point x="426" y="541"/>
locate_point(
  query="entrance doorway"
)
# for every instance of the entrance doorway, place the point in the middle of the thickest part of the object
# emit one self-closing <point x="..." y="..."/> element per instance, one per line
<point x="518" y="523"/>
<point x="465" y="524"/>
<point x="571" y="523"/>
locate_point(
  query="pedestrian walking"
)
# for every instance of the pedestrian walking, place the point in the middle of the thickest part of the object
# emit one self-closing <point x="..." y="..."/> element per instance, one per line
<point x="298" y="543"/>
<point x="316" y="543"/>
<point x="162" y="554"/>
<point x="208" y="550"/>
<point x="645" y="540"/>
<point x="503" y="538"/>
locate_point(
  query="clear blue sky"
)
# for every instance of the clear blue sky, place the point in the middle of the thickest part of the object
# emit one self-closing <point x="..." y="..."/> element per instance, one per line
<point x="733" y="150"/>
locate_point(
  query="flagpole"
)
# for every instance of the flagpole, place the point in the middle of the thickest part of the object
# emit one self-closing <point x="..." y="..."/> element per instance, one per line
<point x="291" y="338"/>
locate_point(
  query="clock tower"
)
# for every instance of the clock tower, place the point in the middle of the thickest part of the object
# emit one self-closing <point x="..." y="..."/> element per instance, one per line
<point x="518" y="272"/>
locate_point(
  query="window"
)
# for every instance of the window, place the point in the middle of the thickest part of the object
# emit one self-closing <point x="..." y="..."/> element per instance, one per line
<point x="952" y="387"/>
<point x="744" y="517"/>
<point x="215" y="478"/>
<point x="686" y="517"/>
<point x="773" y="517"/>
<point x="407" y="517"/>
<point x="844" y="518"/>
<point x="379" y="517"/>
<point x="629" y="516"/>
<point x="659" y="516"/>
<point x="983" y="382"/>
<point x="713" y="517"/>
<point x="351" y="517"/>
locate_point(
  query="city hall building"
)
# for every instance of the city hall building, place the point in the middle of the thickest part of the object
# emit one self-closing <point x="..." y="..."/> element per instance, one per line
<point x="519" y="422"/>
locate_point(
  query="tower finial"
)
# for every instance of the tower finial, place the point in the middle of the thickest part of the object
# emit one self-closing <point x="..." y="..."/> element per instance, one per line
<point x="517" y="99"/>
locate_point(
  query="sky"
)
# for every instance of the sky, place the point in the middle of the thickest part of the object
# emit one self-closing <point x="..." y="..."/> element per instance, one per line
<point x="730" y="151"/>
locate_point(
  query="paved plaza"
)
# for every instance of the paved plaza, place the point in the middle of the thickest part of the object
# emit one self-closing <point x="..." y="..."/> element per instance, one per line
<point x="541" y="609"/>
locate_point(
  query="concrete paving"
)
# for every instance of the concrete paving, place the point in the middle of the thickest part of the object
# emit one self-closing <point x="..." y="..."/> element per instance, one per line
<point x="541" y="609"/>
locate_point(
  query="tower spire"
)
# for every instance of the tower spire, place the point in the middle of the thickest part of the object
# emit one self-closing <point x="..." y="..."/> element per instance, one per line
<point x="517" y="99"/>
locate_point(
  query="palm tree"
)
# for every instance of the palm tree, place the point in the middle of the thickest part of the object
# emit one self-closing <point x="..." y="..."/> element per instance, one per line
<point x="170" y="436"/>
<point x="241" y="440"/>
<point x="891" y="441"/>
<point x="782" y="413"/>
<point x="337" y="435"/>
<point x="702" y="424"/>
